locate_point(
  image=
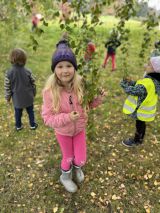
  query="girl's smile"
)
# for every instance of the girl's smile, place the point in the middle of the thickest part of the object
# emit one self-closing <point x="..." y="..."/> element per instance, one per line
<point x="65" y="72"/>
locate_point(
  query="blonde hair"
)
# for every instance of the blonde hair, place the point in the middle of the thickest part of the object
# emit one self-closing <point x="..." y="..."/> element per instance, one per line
<point x="53" y="84"/>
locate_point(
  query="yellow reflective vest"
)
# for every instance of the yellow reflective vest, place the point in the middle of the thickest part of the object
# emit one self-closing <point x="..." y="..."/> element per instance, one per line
<point x="147" y="109"/>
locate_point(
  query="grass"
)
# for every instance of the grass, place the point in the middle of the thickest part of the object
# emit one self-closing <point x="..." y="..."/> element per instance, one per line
<point x="117" y="179"/>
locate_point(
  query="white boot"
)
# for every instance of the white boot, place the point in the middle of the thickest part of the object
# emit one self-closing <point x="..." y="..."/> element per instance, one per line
<point x="79" y="174"/>
<point x="66" y="180"/>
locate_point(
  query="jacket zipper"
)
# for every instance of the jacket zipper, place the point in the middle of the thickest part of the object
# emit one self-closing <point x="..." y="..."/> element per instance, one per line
<point x="72" y="107"/>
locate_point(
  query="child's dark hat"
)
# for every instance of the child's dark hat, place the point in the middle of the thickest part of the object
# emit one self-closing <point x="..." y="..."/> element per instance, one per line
<point x="63" y="53"/>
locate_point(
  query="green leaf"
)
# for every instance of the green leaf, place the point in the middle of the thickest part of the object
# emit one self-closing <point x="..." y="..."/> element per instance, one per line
<point x="45" y="23"/>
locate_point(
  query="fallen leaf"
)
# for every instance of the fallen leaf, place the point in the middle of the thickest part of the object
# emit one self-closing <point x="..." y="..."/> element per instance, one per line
<point x="115" y="197"/>
<point x="93" y="194"/>
<point x="55" y="209"/>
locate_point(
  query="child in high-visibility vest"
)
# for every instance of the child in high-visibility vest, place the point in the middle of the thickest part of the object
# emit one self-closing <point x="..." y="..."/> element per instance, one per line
<point x="142" y="100"/>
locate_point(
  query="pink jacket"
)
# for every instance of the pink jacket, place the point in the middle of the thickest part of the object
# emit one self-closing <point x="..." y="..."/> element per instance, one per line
<point x="61" y="121"/>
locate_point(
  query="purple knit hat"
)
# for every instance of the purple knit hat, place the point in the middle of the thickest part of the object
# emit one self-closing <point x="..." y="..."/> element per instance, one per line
<point x="63" y="53"/>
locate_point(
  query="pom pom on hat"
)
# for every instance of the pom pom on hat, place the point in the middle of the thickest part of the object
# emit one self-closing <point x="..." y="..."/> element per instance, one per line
<point x="155" y="61"/>
<point x="63" y="53"/>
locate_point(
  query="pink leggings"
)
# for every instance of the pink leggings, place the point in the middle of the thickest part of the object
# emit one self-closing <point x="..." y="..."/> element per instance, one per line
<point x="113" y="57"/>
<point x="73" y="150"/>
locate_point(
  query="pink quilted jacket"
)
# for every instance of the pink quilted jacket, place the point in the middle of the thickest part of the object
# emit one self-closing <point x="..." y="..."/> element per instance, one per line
<point x="61" y="122"/>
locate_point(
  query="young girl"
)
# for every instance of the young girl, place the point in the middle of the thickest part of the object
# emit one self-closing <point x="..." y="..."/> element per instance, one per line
<point x="20" y="86"/>
<point x="142" y="100"/>
<point x="62" y="110"/>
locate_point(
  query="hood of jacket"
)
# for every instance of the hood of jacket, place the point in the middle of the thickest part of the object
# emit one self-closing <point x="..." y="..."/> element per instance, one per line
<point x="156" y="79"/>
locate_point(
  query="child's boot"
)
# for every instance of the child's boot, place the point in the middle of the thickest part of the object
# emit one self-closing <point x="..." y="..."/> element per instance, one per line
<point x="138" y="138"/>
<point x="79" y="175"/>
<point x="66" y="180"/>
<point x="130" y="142"/>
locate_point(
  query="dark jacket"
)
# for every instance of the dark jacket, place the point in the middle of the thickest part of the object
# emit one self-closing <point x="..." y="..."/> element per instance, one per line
<point x="112" y="45"/>
<point x="20" y="86"/>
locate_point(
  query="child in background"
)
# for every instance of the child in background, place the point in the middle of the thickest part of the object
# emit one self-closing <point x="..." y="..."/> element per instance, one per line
<point x="20" y="86"/>
<point x="111" y="46"/>
<point x="90" y="50"/>
<point x="62" y="110"/>
<point x="66" y="10"/>
<point x="35" y="20"/>
<point x="142" y="100"/>
<point x="156" y="51"/>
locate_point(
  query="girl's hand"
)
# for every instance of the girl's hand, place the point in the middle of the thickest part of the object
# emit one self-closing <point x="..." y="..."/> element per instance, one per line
<point x="74" y="115"/>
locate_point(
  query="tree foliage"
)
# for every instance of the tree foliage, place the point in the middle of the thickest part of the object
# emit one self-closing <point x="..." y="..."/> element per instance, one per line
<point x="80" y="25"/>
<point x="14" y="12"/>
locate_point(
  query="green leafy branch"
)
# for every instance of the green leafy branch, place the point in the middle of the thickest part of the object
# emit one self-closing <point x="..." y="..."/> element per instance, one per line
<point x="150" y="23"/>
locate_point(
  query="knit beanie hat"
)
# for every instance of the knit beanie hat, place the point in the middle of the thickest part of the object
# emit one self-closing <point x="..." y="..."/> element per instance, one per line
<point x="63" y="53"/>
<point x="155" y="61"/>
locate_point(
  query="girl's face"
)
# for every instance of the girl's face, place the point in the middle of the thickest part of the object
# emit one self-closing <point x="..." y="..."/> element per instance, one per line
<point x="65" y="72"/>
<point x="149" y="68"/>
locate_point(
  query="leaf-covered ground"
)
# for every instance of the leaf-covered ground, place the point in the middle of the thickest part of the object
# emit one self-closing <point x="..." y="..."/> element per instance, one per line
<point x="117" y="179"/>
